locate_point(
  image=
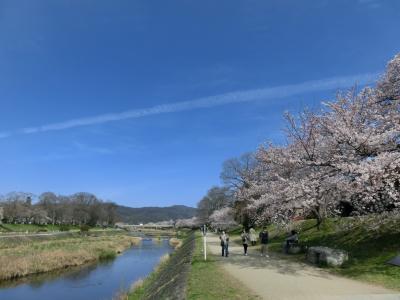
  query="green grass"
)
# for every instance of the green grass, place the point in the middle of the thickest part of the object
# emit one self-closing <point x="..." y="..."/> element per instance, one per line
<point x="107" y="255"/>
<point x="209" y="281"/>
<point x="31" y="228"/>
<point x="369" y="247"/>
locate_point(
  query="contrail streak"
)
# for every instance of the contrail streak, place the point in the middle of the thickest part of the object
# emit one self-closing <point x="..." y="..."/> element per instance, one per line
<point x="268" y="93"/>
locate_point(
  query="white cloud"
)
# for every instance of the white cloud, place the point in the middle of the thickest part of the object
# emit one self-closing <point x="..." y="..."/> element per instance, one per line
<point x="268" y="93"/>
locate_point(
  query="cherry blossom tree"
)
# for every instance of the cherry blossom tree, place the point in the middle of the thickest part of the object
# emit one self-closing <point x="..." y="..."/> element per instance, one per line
<point x="347" y="153"/>
<point x="187" y="223"/>
<point x="223" y="218"/>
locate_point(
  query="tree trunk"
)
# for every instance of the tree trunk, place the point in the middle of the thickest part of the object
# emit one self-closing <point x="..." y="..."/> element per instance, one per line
<point x="318" y="216"/>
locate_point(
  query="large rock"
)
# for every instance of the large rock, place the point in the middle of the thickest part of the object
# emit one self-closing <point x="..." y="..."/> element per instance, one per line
<point x="395" y="261"/>
<point x="326" y="256"/>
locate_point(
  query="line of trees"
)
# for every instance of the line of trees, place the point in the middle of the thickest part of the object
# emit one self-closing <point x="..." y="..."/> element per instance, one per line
<point x="77" y="209"/>
<point x="343" y="160"/>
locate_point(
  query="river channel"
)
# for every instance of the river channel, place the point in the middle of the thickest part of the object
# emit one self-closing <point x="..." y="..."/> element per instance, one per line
<point x="95" y="282"/>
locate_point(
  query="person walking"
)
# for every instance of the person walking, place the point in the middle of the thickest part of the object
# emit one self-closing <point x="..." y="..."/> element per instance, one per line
<point x="293" y="239"/>
<point x="245" y="240"/>
<point x="253" y="236"/>
<point x="224" y="238"/>
<point x="264" y="242"/>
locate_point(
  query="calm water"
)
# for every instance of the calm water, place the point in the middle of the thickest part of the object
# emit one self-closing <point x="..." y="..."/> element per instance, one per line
<point x="94" y="282"/>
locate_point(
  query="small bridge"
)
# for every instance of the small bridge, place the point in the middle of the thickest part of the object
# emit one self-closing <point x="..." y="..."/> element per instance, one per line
<point x="144" y="227"/>
<point x="151" y="230"/>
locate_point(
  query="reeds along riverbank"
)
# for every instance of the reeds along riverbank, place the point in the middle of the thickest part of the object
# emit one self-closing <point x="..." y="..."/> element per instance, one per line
<point x="176" y="243"/>
<point x="30" y="256"/>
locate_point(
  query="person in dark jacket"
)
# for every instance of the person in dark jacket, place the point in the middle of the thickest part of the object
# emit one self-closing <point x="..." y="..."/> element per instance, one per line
<point x="293" y="239"/>
<point x="245" y="241"/>
<point x="224" y="238"/>
<point x="264" y="242"/>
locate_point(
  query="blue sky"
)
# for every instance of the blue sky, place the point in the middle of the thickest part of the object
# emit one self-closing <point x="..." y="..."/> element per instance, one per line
<point x="140" y="102"/>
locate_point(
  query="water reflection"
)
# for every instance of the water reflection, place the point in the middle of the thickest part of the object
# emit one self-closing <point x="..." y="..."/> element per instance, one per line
<point x="95" y="281"/>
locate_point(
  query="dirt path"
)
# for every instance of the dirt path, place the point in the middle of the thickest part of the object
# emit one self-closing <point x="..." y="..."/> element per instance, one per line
<point x="276" y="279"/>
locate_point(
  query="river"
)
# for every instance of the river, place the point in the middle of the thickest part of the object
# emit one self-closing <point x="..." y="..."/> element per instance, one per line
<point x="95" y="282"/>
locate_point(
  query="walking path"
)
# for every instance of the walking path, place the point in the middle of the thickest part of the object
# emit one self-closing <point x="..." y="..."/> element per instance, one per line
<point x="277" y="279"/>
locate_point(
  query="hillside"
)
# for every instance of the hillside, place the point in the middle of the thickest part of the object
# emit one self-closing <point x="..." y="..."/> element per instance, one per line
<point x="154" y="214"/>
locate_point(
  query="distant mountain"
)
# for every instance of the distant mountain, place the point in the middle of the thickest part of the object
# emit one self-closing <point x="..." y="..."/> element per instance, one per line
<point x="139" y="215"/>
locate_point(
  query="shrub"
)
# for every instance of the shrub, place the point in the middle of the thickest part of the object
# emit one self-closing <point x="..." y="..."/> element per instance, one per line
<point x="65" y="228"/>
<point x="107" y="254"/>
<point x="85" y="228"/>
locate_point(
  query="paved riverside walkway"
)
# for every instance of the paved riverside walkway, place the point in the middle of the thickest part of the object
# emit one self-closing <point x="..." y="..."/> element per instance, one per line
<point x="274" y="278"/>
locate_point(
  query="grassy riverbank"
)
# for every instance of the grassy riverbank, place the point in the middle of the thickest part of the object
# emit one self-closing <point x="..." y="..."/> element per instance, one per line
<point x="371" y="242"/>
<point x="30" y="228"/>
<point x="23" y="256"/>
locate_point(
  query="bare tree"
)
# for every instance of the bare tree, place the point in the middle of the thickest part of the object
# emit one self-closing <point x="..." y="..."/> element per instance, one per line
<point x="238" y="172"/>
<point x="78" y="209"/>
<point x="216" y="198"/>
<point x="49" y="203"/>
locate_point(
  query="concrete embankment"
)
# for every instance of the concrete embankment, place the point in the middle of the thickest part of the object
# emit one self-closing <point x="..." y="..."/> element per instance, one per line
<point x="169" y="281"/>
